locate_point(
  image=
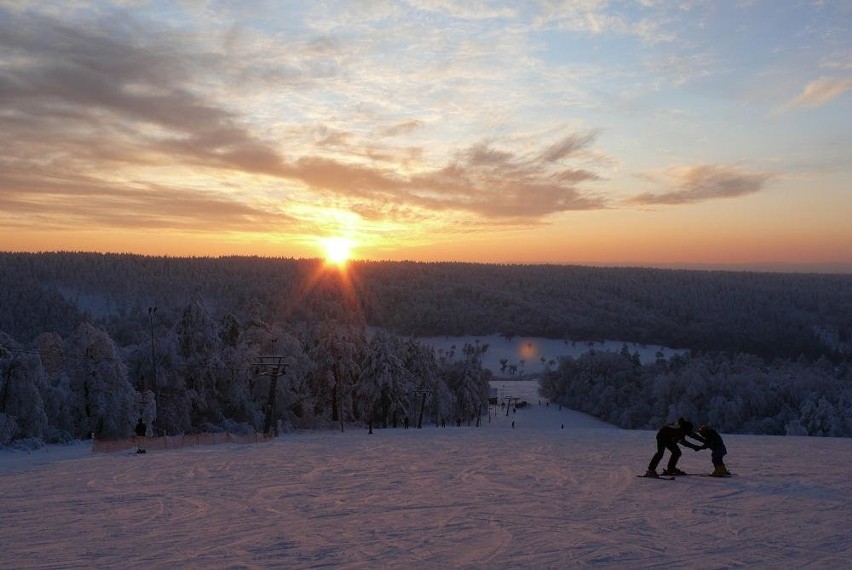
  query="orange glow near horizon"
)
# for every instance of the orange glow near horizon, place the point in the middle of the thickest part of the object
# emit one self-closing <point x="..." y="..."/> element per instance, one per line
<point x="610" y="237"/>
<point x="198" y="156"/>
<point x="579" y="246"/>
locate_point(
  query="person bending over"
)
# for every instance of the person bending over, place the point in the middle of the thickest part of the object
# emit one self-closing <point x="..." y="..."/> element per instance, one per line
<point x="668" y="437"/>
<point x="713" y="441"/>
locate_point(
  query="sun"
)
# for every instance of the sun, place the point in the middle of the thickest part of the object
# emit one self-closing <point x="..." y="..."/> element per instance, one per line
<point x="338" y="250"/>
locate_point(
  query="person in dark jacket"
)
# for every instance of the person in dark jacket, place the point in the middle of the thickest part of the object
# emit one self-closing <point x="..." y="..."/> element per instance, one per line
<point x="668" y="437"/>
<point x="713" y="441"/>
<point x="141" y="430"/>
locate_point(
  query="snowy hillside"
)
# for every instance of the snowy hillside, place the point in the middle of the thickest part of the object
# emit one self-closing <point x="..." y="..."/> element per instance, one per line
<point x="534" y="496"/>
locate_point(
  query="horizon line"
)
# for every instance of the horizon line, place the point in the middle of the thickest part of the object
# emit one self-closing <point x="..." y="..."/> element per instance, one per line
<point x="830" y="267"/>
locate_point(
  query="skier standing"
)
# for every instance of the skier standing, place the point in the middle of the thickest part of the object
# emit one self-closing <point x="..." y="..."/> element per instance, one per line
<point x="668" y="437"/>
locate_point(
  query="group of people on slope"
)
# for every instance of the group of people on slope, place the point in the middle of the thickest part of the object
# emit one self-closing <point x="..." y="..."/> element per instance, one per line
<point x="669" y="436"/>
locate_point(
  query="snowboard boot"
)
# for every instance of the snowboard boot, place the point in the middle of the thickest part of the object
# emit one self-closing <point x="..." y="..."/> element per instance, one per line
<point x="720" y="471"/>
<point x="651" y="473"/>
<point x="673" y="471"/>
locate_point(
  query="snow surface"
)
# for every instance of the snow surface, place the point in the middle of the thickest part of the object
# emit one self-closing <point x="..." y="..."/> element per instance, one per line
<point x="534" y="496"/>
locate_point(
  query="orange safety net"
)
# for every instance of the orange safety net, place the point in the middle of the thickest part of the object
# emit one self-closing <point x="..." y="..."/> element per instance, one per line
<point x="177" y="441"/>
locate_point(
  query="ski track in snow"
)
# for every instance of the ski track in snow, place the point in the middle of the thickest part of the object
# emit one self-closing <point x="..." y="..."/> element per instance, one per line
<point x="533" y="496"/>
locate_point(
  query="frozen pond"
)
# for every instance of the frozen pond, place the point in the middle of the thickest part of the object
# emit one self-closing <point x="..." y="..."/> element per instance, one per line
<point x="529" y="355"/>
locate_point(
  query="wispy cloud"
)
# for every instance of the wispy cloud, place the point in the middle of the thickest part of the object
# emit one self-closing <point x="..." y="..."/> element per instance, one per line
<point x="481" y="179"/>
<point x="71" y="203"/>
<point x="402" y="128"/>
<point x="473" y="9"/>
<point x="650" y="23"/>
<point x="681" y="68"/>
<point x="692" y="184"/>
<point x="499" y="183"/>
<point x="822" y="90"/>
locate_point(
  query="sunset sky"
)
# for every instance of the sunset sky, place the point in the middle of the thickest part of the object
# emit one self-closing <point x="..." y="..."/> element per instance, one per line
<point x="662" y="133"/>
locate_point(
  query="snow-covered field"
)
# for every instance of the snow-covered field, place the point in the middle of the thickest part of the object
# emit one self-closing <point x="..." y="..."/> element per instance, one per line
<point x="534" y="496"/>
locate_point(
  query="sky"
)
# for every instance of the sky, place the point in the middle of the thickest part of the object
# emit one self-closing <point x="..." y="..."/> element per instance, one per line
<point x="657" y="133"/>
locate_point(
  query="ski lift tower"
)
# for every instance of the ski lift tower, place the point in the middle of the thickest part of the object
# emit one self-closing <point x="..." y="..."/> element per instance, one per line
<point x="423" y="392"/>
<point x="272" y="366"/>
<point x="510" y="401"/>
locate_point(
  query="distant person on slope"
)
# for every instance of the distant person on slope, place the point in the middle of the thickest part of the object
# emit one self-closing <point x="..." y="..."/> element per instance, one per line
<point x="667" y="438"/>
<point x="141" y="430"/>
<point x="713" y="441"/>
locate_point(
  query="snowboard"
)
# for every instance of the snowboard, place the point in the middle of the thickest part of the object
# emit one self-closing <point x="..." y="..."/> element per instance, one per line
<point x="666" y="477"/>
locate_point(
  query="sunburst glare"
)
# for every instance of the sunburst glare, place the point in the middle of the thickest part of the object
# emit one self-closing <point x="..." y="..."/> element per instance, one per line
<point x="338" y="250"/>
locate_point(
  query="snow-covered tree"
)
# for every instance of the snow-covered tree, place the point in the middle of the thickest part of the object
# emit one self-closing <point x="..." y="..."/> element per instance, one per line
<point x="820" y="417"/>
<point x="334" y="350"/>
<point x="200" y="350"/>
<point x="57" y="395"/>
<point x="468" y="382"/>
<point x="22" y="381"/>
<point x="103" y="401"/>
<point x="422" y="367"/>
<point x="384" y="382"/>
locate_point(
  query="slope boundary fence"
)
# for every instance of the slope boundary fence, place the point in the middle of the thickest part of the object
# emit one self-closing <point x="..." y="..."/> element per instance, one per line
<point x="177" y="441"/>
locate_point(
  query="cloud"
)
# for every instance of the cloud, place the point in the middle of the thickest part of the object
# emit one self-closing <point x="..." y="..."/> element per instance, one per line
<point x="473" y="10"/>
<point x="822" y="90"/>
<point x="502" y="184"/>
<point x="681" y="68"/>
<point x="402" y="128"/>
<point x="73" y="88"/>
<point x="481" y="180"/>
<point x="692" y="184"/>
<point x="651" y="22"/>
<point x="84" y="203"/>
<point x="100" y="112"/>
<point x="87" y="112"/>
<point x="568" y="146"/>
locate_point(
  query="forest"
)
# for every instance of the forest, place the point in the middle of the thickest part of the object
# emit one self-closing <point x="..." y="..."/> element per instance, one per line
<point x="91" y="342"/>
<point x="735" y="394"/>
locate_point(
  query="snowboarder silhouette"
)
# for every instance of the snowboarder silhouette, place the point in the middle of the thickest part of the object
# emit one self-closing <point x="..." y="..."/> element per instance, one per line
<point x="713" y="441"/>
<point x="668" y="437"/>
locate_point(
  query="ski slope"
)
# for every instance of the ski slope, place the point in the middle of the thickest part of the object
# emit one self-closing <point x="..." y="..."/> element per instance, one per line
<point x="557" y="490"/>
